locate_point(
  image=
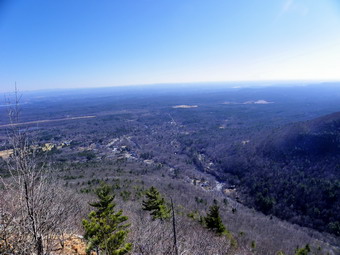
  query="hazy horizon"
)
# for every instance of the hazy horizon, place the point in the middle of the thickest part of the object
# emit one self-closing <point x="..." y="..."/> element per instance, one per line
<point x="198" y="85"/>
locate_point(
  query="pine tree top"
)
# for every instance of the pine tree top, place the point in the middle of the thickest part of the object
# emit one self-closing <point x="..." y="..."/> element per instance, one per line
<point x="105" y="198"/>
<point x="155" y="204"/>
<point x="105" y="229"/>
<point x="213" y="219"/>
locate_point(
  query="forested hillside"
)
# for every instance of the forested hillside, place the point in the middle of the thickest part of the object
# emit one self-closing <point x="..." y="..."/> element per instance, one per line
<point x="293" y="172"/>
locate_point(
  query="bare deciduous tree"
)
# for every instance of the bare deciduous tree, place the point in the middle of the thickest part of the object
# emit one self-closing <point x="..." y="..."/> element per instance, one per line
<point x="35" y="208"/>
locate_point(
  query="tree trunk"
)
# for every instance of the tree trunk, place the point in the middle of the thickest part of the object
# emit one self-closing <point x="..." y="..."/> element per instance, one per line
<point x="40" y="249"/>
<point x="174" y="227"/>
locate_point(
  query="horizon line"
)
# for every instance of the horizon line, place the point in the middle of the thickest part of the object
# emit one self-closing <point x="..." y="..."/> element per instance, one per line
<point x="177" y="83"/>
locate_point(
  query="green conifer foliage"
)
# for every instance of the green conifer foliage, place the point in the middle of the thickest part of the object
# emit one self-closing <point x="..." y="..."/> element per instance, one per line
<point x="213" y="220"/>
<point x="104" y="228"/>
<point x="156" y="205"/>
<point x="303" y="251"/>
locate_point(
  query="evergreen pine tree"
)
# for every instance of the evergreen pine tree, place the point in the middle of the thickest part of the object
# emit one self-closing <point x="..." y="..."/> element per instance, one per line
<point x="104" y="228"/>
<point x="156" y="205"/>
<point x="213" y="219"/>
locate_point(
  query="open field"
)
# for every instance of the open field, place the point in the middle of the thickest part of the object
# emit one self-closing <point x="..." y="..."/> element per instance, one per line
<point x="45" y="121"/>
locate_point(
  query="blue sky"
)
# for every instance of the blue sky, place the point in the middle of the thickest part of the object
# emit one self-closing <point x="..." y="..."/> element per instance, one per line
<point x="47" y="44"/>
